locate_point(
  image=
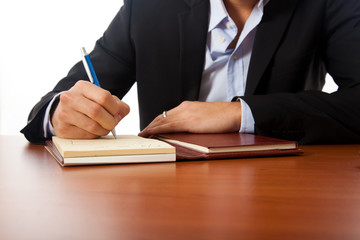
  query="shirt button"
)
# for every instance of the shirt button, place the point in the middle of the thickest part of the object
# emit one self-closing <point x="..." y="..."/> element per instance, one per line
<point x="228" y="25"/>
<point x="222" y="39"/>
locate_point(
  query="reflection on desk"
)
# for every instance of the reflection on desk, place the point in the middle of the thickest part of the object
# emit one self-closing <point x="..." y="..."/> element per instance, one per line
<point x="314" y="196"/>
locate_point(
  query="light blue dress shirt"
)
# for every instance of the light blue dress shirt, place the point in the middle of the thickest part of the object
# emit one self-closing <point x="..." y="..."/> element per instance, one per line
<point x="225" y="71"/>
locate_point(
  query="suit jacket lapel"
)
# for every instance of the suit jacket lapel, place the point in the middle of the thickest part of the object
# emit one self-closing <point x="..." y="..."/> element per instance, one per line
<point x="193" y="25"/>
<point x="277" y="14"/>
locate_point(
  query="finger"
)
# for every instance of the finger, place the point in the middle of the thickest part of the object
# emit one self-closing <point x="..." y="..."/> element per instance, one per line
<point x="87" y="124"/>
<point x="170" y="115"/>
<point x="176" y="117"/>
<point x="157" y="121"/>
<point x="79" y="104"/>
<point x="70" y="131"/>
<point x="174" y="126"/>
<point x="123" y="109"/>
<point x="165" y="125"/>
<point x="109" y="102"/>
<point x="65" y="116"/>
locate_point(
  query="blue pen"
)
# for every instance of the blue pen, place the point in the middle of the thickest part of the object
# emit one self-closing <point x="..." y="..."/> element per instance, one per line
<point x="91" y="73"/>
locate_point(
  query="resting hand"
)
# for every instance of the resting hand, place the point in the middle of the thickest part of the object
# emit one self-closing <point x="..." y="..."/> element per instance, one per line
<point x="197" y="117"/>
<point x="87" y="111"/>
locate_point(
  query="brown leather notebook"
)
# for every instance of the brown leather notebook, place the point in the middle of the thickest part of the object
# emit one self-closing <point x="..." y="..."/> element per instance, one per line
<point x="227" y="145"/>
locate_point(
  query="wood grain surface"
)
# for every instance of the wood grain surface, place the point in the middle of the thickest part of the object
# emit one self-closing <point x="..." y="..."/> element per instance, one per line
<point x="314" y="196"/>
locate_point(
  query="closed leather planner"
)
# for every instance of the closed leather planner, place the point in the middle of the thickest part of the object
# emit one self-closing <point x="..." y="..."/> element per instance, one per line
<point x="227" y="145"/>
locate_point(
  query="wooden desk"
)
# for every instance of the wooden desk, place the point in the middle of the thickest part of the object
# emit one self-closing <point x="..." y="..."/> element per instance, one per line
<point x="315" y="196"/>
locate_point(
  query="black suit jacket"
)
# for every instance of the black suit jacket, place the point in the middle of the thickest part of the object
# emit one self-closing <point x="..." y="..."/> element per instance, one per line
<point x="160" y="44"/>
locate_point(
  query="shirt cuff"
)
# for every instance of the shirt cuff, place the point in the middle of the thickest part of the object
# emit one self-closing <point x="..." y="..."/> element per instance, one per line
<point x="48" y="128"/>
<point x="247" y="119"/>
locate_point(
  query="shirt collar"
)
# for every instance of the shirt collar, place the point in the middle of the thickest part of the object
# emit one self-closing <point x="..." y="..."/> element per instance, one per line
<point x="218" y="12"/>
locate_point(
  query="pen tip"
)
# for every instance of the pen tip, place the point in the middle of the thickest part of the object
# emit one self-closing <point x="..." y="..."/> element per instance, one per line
<point x="113" y="133"/>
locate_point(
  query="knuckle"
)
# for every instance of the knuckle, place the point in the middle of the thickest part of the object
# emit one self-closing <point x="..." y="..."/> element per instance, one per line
<point x="160" y="117"/>
<point x="126" y="109"/>
<point x="65" y="97"/>
<point x="185" y="103"/>
<point x="81" y="84"/>
<point x="60" y="115"/>
<point x="94" y="111"/>
<point x="185" y="106"/>
<point x="104" y="97"/>
<point x="92" y="127"/>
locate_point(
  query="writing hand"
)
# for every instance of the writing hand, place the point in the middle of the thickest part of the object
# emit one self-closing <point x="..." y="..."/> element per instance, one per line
<point x="198" y="117"/>
<point x="87" y="111"/>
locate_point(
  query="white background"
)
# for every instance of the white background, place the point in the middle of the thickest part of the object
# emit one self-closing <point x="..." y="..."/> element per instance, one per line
<point x="39" y="42"/>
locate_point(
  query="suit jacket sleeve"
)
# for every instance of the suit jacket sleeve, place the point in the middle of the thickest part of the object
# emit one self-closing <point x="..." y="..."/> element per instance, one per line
<point x="312" y="116"/>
